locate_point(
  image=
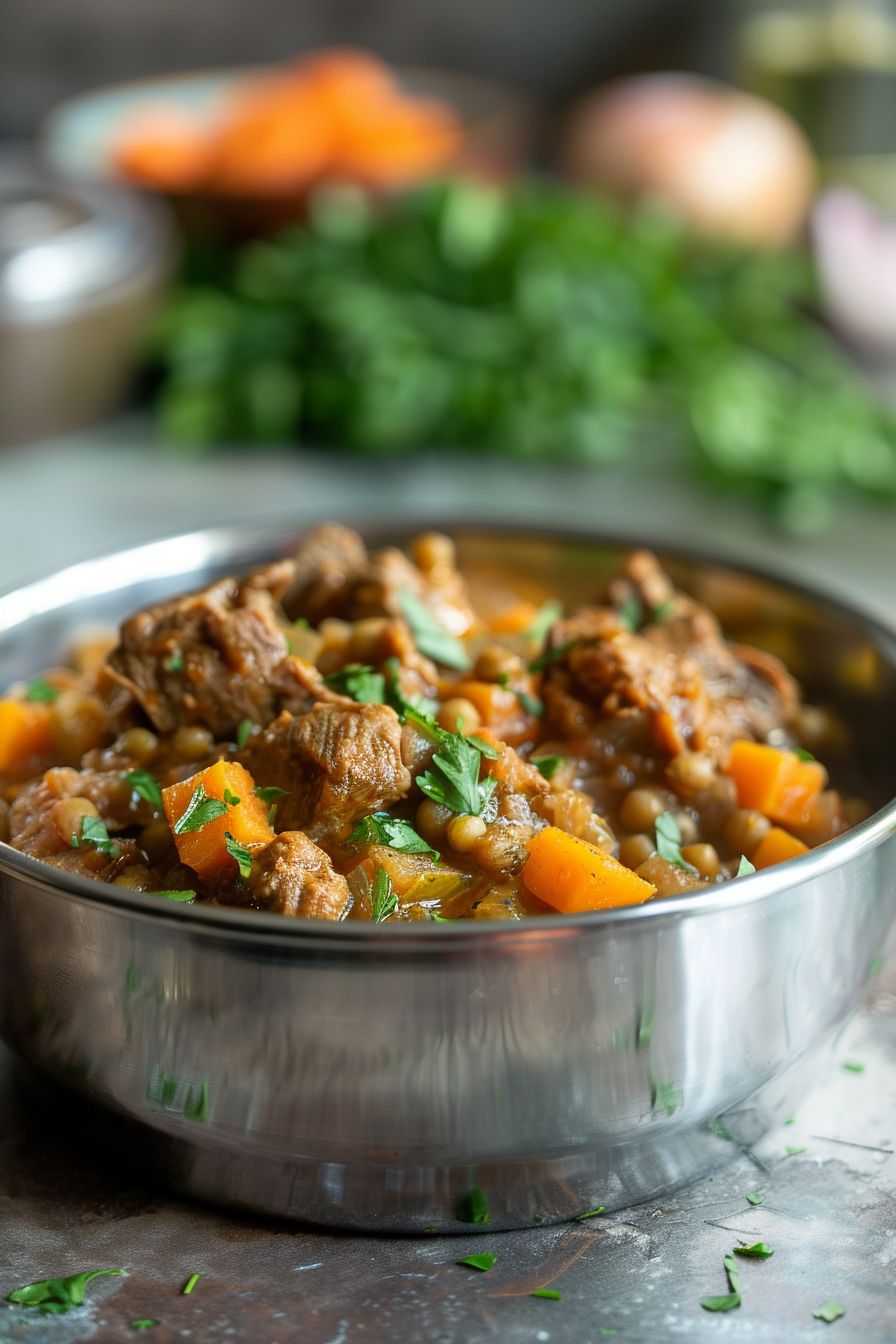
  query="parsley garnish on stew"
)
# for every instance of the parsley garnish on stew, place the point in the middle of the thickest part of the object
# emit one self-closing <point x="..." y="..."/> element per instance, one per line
<point x="269" y="793"/>
<point x="93" y="832"/>
<point x="146" y="786"/>
<point x="430" y="637"/>
<point x="381" y="829"/>
<point x="745" y="867"/>
<point x="530" y="703"/>
<point x="240" y="853"/>
<point x="547" y="765"/>
<point x="360" y="682"/>
<point x="383" y="899"/>
<point x="453" y="776"/>
<point x="174" y="662"/>
<point x="668" y="841"/>
<point x="41" y="691"/>
<point x="231" y="799"/>
<point x="630" y="613"/>
<point x="244" y="732"/>
<point x="182" y="896"/>
<point x="199" y="812"/>
<point x="57" y="1296"/>
<point x="484" y="1261"/>
<point x="551" y="656"/>
<point x="544" y="618"/>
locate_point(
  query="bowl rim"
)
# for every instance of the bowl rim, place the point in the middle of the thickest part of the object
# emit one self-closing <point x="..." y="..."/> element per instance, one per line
<point x="213" y="541"/>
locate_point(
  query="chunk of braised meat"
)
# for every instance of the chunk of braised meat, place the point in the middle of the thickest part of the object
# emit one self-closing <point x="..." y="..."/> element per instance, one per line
<point x="751" y="691"/>
<point x="42" y="824"/>
<point x="292" y="876"/>
<point x="326" y="568"/>
<point x="337" y="763"/>
<point x="215" y="657"/>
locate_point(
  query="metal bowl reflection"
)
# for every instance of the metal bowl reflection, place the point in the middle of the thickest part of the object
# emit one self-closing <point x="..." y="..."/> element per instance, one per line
<point x="416" y="1078"/>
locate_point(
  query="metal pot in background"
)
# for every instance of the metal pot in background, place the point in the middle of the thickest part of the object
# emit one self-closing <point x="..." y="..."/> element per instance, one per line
<point x="81" y="270"/>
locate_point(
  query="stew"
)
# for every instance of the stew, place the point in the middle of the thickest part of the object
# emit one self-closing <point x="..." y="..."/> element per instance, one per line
<point x="344" y="735"/>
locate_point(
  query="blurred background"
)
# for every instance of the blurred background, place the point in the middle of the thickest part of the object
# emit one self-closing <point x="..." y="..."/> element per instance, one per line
<point x="621" y="266"/>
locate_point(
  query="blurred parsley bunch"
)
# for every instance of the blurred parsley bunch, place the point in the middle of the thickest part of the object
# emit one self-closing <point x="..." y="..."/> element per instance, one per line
<point x="531" y="321"/>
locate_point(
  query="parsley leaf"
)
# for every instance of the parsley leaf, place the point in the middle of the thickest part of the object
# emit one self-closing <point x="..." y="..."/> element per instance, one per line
<point x="726" y="1303"/>
<point x="396" y="698"/>
<point x="144" y="1323"/>
<point x="473" y="1208"/>
<point x="544" y="618"/>
<point x="755" y="1198"/>
<point x="853" y="1066"/>
<point x="551" y="656"/>
<point x="269" y="793"/>
<point x="190" y="1284"/>
<point x="662" y="611"/>
<point x="145" y="784"/>
<point x="803" y="754"/>
<point x="383" y="898"/>
<point x="231" y="799"/>
<point x="794" y="1149"/>
<point x="631" y="613"/>
<point x="745" y="867"/>
<point x="360" y="682"/>
<point x="381" y="829"/>
<point x="550" y="1293"/>
<point x="760" y="1250"/>
<point x="530" y="703"/>
<point x="182" y="896"/>
<point x="57" y="1296"/>
<point x="547" y="765"/>
<point x="483" y="1261"/>
<point x="41" y="691"/>
<point x="240" y="853"/>
<point x="668" y="841"/>
<point x="592" y="1213"/>
<point x="429" y="636"/>
<point x="453" y="776"/>
<point x="244" y="732"/>
<point x="93" y="832"/>
<point x="174" y="662"/>
<point x="829" y="1311"/>
<point x="199" y="812"/>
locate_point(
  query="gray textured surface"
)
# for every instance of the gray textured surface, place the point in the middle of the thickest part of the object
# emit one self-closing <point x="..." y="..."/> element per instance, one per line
<point x="830" y="1212"/>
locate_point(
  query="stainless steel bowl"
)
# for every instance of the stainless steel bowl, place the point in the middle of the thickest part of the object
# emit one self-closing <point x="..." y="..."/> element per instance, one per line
<point x="417" y="1078"/>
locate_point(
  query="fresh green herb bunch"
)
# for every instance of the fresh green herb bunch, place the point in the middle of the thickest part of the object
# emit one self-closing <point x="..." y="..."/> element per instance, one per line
<point x="535" y="322"/>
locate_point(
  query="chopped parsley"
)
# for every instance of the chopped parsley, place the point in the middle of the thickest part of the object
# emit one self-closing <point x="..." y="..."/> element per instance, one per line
<point x="174" y="662"/>
<point x="190" y="1284"/>
<point x="484" y="1261"/>
<point x="755" y="1198"/>
<point x="55" y="1297"/>
<point x="146" y="786"/>
<point x="383" y="898"/>
<point x="530" y="703"/>
<point x="668" y="842"/>
<point x="182" y="896"/>
<point x="398" y="700"/>
<point x="550" y="1293"/>
<point x="731" y="1299"/>
<point x="745" y="867"/>
<point x="360" y="682"/>
<point x="144" y="1323"/>
<point x="473" y="1208"/>
<point x="592" y="1213"/>
<point x="794" y="1149"/>
<point x="231" y="799"/>
<point x="429" y="636"/>
<point x="93" y="832"/>
<point x="453" y="775"/>
<point x="853" y="1066"/>
<point x="240" y="853"/>
<point x="269" y="793"/>
<point x="41" y="692"/>
<point x="547" y="765"/>
<point x="760" y="1250"/>
<point x="244" y="732"/>
<point x="551" y="656"/>
<point x="631" y="613"/>
<point x="199" y="812"/>
<point x="803" y="754"/>
<point x="829" y="1311"/>
<point x="381" y="829"/>
<point x="662" y="611"/>
<point x="544" y="618"/>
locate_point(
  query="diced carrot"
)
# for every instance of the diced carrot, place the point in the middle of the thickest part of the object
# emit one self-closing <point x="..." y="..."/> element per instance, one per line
<point x="25" y="732"/>
<point x="776" y="846"/>
<point x="500" y="710"/>
<point x="776" y="783"/>
<point x="572" y="875"/>
<point x="205" y="850"/>
<point x="513" y="620"/>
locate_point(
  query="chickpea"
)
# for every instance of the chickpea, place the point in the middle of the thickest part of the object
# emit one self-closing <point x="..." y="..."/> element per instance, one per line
<point x="192" y="743"/>
<point x="703" y="857"/>
<point x="744" y="829"/>
<point x="78" y="724"/>
<point x="640" y="809"/>
<point x="496" y="664"/>
<point x="459" y="709"/>
<point x="690" y="773"/>
<point x="138" y="743"/>
<point x="432" y="818"/>
<point x="367" y="636"/>
<point x="464" y="831"/>
<point x="136" y="878"/>
<point x="635" y="850"/>
<point x="433" y="550"/>
<point x="68" y="814"/>
<point x="687" y="827"/>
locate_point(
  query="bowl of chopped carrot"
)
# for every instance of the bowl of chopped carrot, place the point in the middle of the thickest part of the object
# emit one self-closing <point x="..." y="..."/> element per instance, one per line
<point x="253" y="142"/>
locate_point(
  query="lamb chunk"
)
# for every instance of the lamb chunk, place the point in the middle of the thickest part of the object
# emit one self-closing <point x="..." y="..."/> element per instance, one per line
<point x="291" y="876"/>
<point x="215" y="657"/>
<point x="327" y="566"/>
<point x="389" y="573"/>
<point x="31" y="829"/>
<point x="337" y="763"/>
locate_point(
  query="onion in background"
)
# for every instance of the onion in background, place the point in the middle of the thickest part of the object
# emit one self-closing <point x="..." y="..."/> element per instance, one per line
<point x="732" y="165"/>
<point x="855" y="251"/>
